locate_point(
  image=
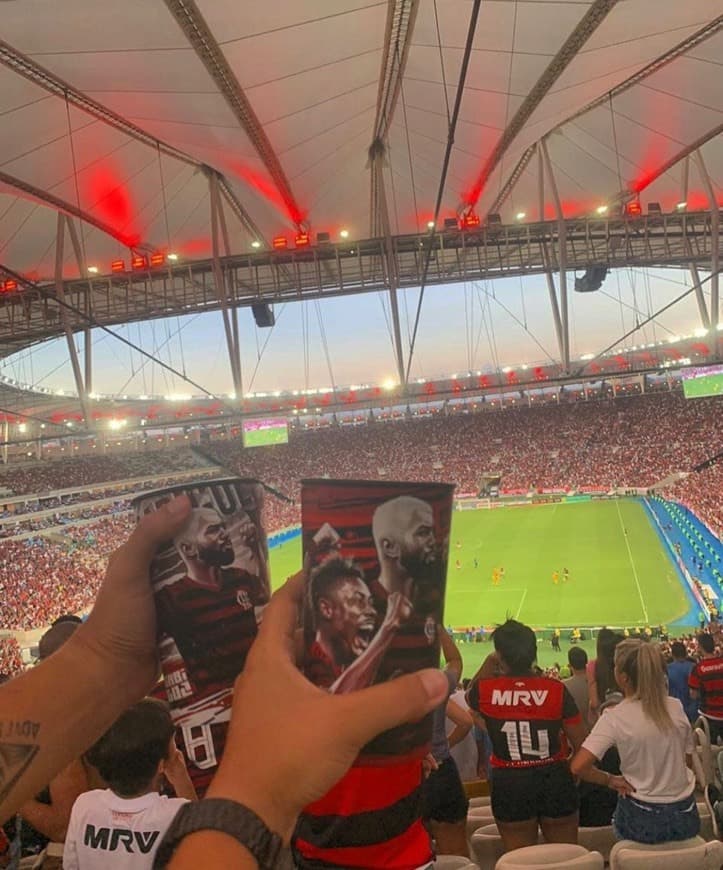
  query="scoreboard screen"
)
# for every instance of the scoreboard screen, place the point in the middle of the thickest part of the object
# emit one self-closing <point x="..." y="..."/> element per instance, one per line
<point x="260" y="433"/>
<point x="698" y="383"/>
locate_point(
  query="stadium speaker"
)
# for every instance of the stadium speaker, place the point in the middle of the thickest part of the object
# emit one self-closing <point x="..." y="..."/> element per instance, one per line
<point x="592" y="279"/>
<point x="451" y="223"/>
<point x="263" y="315"/>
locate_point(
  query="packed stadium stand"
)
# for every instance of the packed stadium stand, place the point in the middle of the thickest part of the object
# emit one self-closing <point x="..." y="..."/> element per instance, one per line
<point x="45" y="477"/>
<point x="634" y="442"/>
<point x="631" y="442"/>
<point x="214" y="164"/>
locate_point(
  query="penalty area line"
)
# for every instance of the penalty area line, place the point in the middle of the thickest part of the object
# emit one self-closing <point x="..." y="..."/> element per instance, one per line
<point x="522" y="602"/>
<point x="632" y="563"/>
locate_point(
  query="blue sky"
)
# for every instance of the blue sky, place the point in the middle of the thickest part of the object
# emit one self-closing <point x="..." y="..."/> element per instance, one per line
<point x="462" y="326"/>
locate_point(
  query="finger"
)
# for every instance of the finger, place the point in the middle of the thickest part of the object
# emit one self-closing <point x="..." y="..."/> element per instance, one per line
<point x="156" y="527"/>
<point x="406" y="699"/>
<point x="281" y="616"/>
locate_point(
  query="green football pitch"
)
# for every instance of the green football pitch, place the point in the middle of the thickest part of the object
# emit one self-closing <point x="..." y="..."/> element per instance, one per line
<point x="620" y="575"/>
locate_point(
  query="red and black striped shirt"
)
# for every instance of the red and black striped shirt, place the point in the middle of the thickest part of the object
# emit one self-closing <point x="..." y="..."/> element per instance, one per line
<point x="371" y="818"/>
<point x="319" y="668"/>
<point x="213" y="628"/>
<point x="524" y="718"/>
<point x="707" y="678"/>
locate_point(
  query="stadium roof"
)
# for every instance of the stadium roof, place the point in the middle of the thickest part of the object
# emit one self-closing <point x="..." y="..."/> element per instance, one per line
<point x="117" y="113"/>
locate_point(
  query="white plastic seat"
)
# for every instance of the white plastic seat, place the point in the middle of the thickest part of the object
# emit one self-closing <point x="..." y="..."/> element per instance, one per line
<point x="478" y="817"/>
<point x="703" y="754"/>
<point x="597" y="839"/>
<point x="453" y="862"/>
<point x="550" y="856"/>
<point x="487" y="847"/>
<point x="482" y="801"/>
<point x="693" y="854"/>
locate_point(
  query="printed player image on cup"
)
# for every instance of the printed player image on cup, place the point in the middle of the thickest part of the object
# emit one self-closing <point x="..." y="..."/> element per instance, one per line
<point x="210" y="583"/>
<point x="375" y="587"/>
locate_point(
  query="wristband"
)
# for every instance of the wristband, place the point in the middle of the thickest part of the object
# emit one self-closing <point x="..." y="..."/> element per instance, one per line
<point x="227" y="817"/>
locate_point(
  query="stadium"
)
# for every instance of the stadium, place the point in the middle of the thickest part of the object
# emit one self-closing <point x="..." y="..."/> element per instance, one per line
<point x="432" y="241"/>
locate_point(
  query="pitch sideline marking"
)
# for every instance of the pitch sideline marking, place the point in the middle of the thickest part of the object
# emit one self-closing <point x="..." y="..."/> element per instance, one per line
<point x="632" y="563"/>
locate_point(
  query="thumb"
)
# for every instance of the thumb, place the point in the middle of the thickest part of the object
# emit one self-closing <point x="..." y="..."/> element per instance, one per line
<point x="154" y="528"/>
<point x="405" y="699"/>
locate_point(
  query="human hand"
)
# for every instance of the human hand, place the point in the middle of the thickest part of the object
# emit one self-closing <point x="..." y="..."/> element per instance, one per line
<point x="174" y="766"/>
<point x="429" y="763"/>
<point x="120" y="633"/>
<point x="620" y="785"/>
<point x="328" y="730"/>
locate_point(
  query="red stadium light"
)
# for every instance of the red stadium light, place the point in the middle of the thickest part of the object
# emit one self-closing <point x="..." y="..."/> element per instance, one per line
<point x="118" y="266"/>
<point x="157" y="259"/>
<point x="302" y="240"/>
<point x="280" y="242"/>
<point x="9" y="286"/>
<point x="139" y="261"/>
<point x="469" y="221"/>
<point x="633" y="208"/>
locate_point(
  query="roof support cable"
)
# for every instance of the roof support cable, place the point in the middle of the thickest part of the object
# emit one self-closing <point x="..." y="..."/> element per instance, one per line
<point x="91" y="321"/>
<point x="443" y="179"/>
<point x="324" y="342"/>
<point x="652" y="317"/>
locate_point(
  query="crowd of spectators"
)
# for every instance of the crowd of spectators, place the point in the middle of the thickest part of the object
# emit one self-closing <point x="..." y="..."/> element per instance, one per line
<point x="702" y="492"/>
<point x="11" y="662"/>
<point x="36" y="524"/>
<point x="50" y="475"/>
<point x="631" y="442"/>
<point x="601" y="444"/>
<point x="41" y="579"/>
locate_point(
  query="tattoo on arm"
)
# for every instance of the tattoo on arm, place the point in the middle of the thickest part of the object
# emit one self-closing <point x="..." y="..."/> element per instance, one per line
<point x="15" y="758"/>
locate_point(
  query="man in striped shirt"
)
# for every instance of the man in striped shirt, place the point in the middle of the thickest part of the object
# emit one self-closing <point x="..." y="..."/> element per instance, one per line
<point x="211" y="613"/>
<point x="706" y="683"/>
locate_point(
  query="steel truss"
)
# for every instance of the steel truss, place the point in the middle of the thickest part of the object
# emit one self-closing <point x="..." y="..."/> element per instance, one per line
<point x="33" y="313"/>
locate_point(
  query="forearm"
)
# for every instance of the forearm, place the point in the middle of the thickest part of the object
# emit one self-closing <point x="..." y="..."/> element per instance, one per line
<point x="46" y="819"/>
<point x="593" y="775"/>
<point x="457" y="735"/>
<point x="211" y="850"/>
<point x="452" y="657"/>
<point x="183" y="786"/>
<point x="48" y="728"/>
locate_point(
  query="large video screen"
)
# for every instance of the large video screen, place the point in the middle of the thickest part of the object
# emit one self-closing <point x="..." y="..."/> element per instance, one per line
<point x="698" y="383"/>
<point x="260" y="433"/>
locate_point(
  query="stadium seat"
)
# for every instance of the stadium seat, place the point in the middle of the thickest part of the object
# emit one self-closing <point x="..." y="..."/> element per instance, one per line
<point x="478" y="817"/>
<point x="483" y="801"/>
<point x="693" y="854"/>
<point x="597" y="839"/>
<point x="549" y="856"/>
<point x="704" y="754"/>
<point x="453" y="862"/>
<point x="487" y="846"/>
<point x="707" y="826"/>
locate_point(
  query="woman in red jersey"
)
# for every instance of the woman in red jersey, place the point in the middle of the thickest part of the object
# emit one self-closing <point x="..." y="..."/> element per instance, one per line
<point x="528" y="718"/>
